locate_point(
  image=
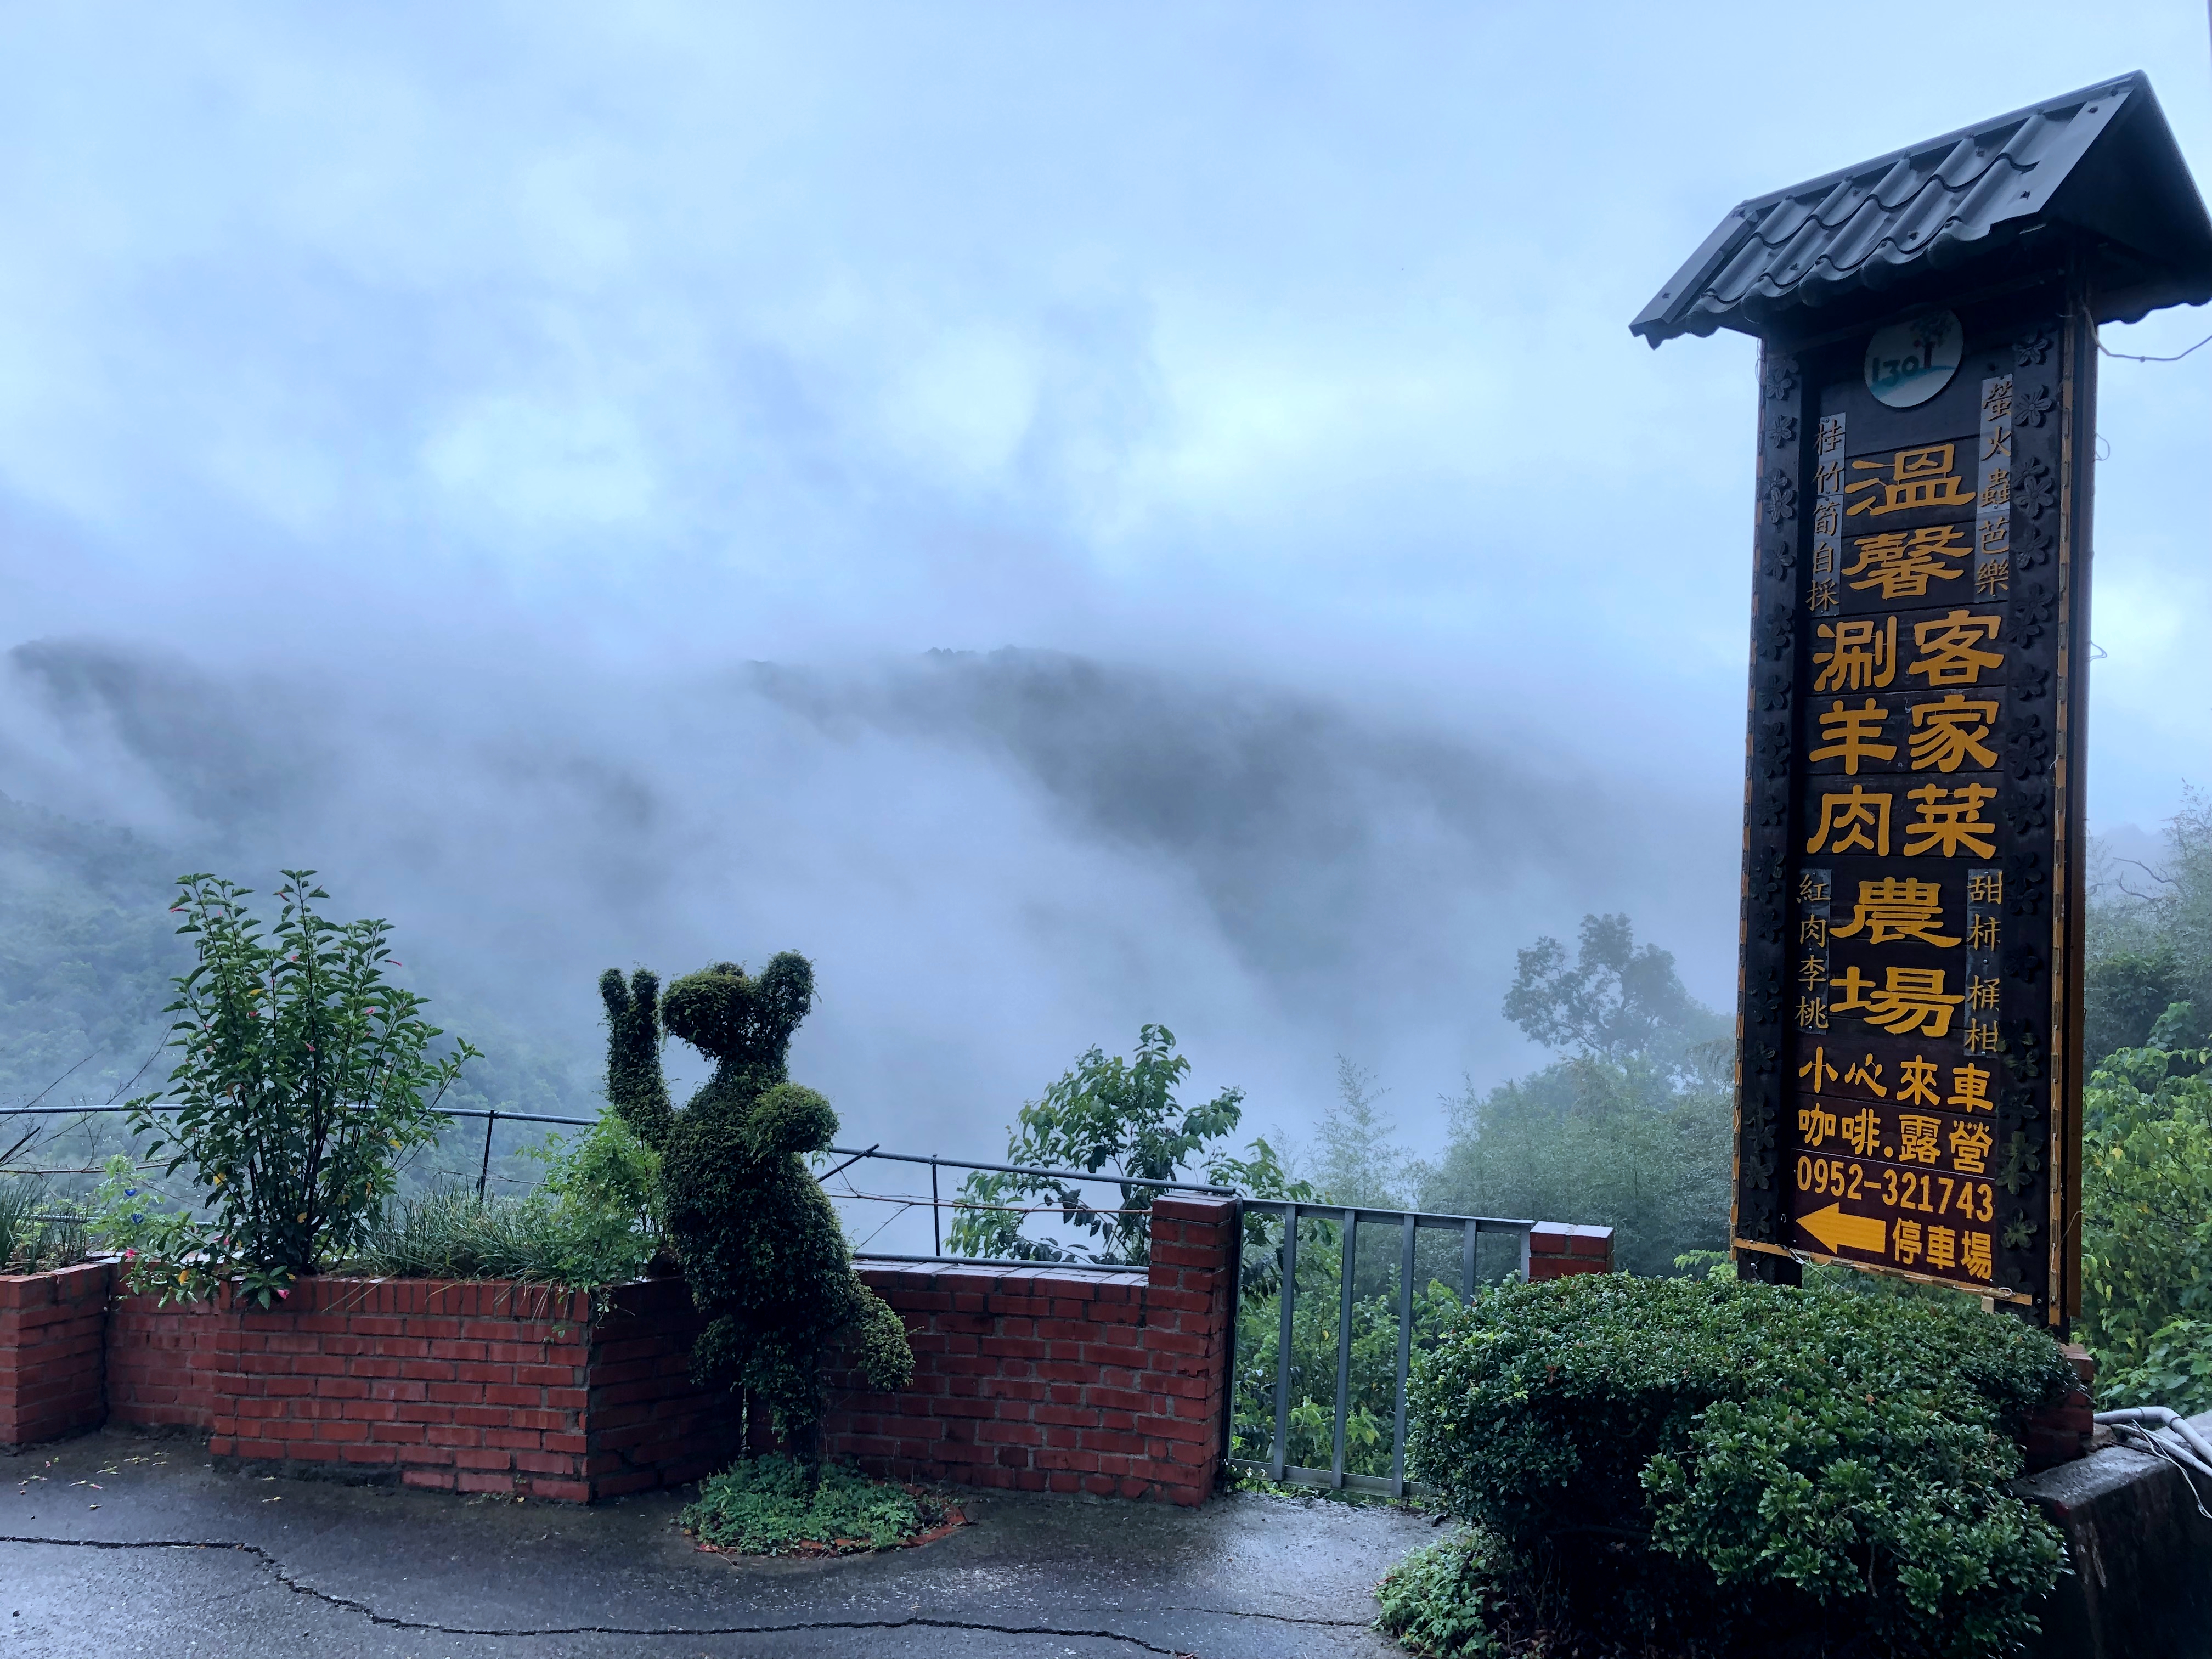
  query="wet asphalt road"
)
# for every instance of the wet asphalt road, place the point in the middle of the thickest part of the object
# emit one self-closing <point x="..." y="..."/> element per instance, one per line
<point x="117" y="1545"/>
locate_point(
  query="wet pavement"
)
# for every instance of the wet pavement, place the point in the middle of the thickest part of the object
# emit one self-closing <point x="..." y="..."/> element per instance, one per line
<point x="115" y="1544"/>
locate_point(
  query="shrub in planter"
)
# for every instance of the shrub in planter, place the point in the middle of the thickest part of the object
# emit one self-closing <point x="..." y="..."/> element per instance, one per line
<point x="592" y="1222"/>
<point x="1731" y="1468"/>
<point x="39" y="1232"/>
<point x="304" y="1075"/>
<point x="759" y="1243"/>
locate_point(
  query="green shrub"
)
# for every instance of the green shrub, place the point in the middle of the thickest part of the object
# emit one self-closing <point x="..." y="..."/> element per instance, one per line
<point x="1107" y="1116"/>
<point x="304" y="1075"/>
<point x="2146" y="1215"/>
<point x="777" y="1506"/>
<point x="1458" y="1596"/>
<point x="2174" y="1371"/>
<point x="1728" y="1465"/>
<point x="593" y="1222"/>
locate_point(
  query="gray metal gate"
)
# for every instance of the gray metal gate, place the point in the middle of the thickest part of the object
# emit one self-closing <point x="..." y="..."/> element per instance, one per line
<point x="1408" y="1224"/>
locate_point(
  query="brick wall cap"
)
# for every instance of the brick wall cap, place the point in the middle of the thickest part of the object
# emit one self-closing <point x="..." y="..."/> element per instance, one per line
<point x="1193" y="1206"/>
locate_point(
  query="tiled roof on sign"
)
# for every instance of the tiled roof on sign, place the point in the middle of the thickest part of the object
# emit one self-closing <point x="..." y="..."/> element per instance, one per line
<point x="2099" y="166"/>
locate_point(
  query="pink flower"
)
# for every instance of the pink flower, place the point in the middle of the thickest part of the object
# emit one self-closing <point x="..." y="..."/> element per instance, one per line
<point x="283" y="1293"/>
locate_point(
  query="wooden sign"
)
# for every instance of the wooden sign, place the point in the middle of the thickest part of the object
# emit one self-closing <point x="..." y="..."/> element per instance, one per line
<point x="1909" y="999"/>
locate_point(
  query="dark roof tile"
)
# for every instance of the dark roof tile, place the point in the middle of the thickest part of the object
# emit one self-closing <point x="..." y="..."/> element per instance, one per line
<point x="2099" y="165"/>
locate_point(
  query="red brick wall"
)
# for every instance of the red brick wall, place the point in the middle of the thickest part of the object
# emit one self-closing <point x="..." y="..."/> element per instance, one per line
<point x="473" y="1386"/>
<point x="1558" y="1251"/>
<point x="2059" y="1434"/>
<point x="646" y="1426"/>
<point x="1053" y="1380"/>
<point x="1060" y="1380"/>
<point x="52" y="1348"/>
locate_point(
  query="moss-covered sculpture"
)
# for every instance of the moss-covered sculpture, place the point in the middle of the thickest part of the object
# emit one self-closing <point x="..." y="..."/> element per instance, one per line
<point x="757" y="1236"/>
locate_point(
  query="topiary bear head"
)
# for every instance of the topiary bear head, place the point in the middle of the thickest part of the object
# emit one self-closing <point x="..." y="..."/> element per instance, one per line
<point x="742" y="1021"/>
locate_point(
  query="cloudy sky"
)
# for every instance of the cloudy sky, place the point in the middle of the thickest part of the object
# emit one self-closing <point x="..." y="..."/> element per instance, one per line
<point x="520" y="458"/>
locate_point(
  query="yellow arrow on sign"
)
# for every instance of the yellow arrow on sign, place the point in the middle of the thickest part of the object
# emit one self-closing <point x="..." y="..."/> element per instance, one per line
<point x="1839" y="1232"/>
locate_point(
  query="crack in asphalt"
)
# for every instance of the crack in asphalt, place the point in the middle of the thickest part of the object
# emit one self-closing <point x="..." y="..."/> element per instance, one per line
<point x="278" y="1571"/>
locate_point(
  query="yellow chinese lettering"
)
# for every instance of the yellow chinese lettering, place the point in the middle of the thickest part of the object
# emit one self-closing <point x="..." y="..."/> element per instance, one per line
<point x="1949" y="734"/>
<point x="1911" y="999"/>
<point x="1915" y="1084"/>
<point x="1969" y="1147"/>
<point x="1860" y="1130"/>
<point x="1897" y="907"/>
<point x="1861" y="655"/>
<point x="1815" y="1124"/>
<point x="1985" y="887"/>
<point x="1867" y="1075"/>
<point x="1950" y="819"/>
<point x="1818" y="1069"/>
<point x="1849" y="733"/>
<point x="1919" y="478"/>
<point x="1901" y="562"/>
<point x="1981" y="930"/>
<point x="1970" y="1090"/>
<point x="1908" y="1241"/>
<point x="1942" y="1246"/>
<point x="1974" y="1254"/>
<point x="1949" y="652"/>
<point x="1848" y="818"/>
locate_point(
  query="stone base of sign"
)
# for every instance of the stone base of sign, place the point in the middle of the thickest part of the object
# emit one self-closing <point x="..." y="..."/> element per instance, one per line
<point x="2141" y="1586"/>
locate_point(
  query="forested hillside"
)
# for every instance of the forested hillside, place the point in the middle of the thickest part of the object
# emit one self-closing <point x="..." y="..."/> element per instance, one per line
<point x="87" y="949"/>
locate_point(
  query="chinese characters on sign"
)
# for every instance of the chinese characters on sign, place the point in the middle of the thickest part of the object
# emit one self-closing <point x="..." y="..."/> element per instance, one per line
<point x="1902" y="825"/>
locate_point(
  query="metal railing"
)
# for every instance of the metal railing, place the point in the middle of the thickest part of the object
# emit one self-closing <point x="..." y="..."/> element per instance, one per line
<point x="1346" y="1223"/>
<point x="1408" y="1224"/>
<point x="935" y="1203"/>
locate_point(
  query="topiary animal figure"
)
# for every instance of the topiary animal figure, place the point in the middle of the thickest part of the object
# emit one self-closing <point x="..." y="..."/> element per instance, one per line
<point x="757" y="1236"/>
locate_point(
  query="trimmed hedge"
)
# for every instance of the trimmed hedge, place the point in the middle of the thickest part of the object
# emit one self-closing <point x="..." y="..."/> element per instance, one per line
<point x="1724" y="1466"/>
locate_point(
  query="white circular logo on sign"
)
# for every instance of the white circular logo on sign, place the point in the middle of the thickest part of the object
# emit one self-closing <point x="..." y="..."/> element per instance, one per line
<point x="1908" y="363"/>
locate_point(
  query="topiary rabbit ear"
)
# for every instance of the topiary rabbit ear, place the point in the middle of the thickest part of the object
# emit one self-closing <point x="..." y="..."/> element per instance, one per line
<point x="614" y="993"/>
<point x="786" y="990"/>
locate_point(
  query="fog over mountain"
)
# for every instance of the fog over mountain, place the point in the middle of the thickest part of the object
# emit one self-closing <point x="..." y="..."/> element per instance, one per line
<point x="1069" y="518"/>
<point x="995" y="860"/>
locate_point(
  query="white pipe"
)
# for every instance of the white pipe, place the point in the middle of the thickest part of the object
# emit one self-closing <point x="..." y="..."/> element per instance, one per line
<point x="2161" y="1417"/>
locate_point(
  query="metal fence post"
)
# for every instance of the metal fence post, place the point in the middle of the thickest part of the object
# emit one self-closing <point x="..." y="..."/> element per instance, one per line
<point x="483" y="1175"/>
<point x="936" y="1215"/>
<point x="1344" y="1345"/>
<point x="1283" y="1341"/>
<point x="1470" y="1230"/>
<point x="1405" y="1355"/>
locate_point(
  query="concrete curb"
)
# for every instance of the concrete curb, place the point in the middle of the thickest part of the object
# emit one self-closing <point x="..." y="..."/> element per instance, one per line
<point x="2141" y="1586"/>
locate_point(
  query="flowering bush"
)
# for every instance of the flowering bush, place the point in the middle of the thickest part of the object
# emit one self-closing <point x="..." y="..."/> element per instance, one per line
<point x="305" y="1075"/>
